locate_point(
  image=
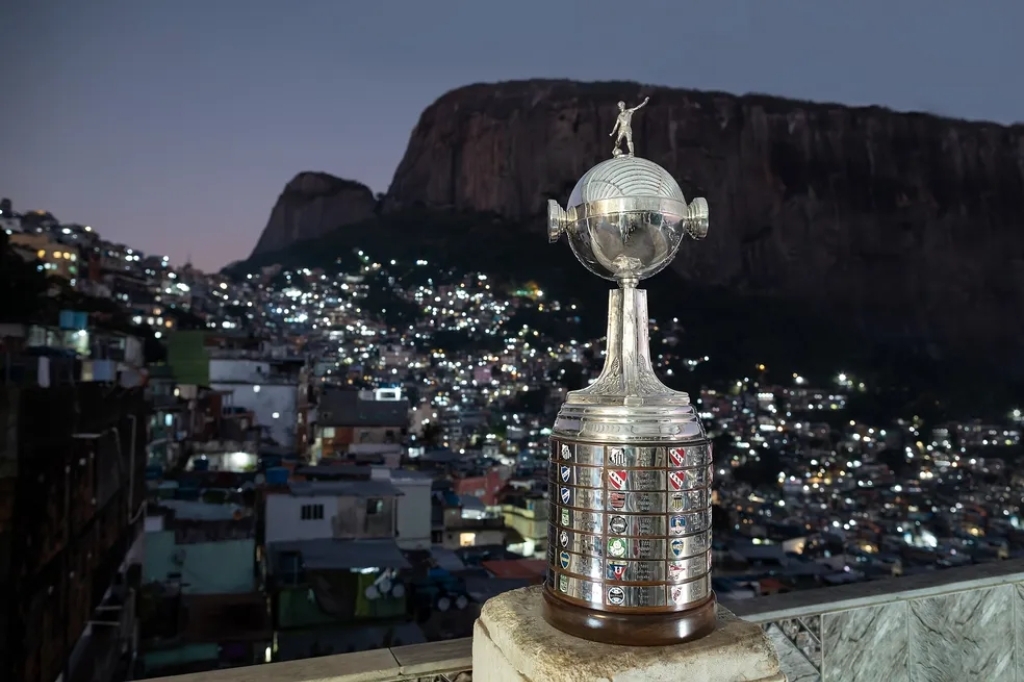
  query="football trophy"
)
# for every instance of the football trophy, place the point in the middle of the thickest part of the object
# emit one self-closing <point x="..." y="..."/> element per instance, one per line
<point x="629" y="541"/>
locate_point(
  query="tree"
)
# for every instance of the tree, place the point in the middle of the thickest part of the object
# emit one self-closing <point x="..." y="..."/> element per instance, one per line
<point x="763" y="472"/>
<point x="431" y="437"/>
<point x="895" y="460"/>
<point x="23" y="286"/>
<point x="569" y="374"/>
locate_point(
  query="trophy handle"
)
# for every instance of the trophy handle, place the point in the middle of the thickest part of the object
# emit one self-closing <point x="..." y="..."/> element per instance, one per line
<point x="697" y="218"/>
<point x="556" y="221"/>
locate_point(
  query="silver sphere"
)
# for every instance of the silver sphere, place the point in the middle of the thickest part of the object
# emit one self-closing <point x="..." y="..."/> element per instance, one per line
<point x="626" y="218"/>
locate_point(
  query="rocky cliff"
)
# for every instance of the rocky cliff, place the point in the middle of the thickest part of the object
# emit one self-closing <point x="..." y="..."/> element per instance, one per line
<point x="906" y="224"/>
<point x="312" y="205"/>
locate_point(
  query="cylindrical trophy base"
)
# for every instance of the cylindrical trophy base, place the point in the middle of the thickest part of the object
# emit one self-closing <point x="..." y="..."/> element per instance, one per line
<point x="631" y="629"/>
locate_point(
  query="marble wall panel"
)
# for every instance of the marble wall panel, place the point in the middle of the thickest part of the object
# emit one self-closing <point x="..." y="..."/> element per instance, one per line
<point x="794" y="663"/>
<point x="963" y="636"/>
<point x="866" y="644"/>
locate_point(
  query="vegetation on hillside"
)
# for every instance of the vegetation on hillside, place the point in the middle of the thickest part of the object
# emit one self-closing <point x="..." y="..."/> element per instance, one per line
<point x="737" y="332"/>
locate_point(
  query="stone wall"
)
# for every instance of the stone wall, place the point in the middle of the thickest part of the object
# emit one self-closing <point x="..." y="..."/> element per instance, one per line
<point x="959" y="624"/>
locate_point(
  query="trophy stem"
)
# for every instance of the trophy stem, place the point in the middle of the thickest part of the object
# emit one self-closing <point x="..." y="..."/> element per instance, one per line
<point x="627" y="378"/>
<point x="628" y="329"/>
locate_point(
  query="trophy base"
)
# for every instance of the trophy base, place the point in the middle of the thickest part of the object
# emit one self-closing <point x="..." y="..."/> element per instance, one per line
<point x="632" y="629"/>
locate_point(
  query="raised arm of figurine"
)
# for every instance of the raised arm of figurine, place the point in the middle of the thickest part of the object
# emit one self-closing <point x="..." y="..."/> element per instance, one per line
<point x="641" y="105"/>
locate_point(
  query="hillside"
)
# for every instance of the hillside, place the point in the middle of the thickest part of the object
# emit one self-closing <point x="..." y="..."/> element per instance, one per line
<point x="737" y="330"/>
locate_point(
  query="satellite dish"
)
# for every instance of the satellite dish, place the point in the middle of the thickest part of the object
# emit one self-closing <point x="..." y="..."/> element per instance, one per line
<point x="398" y="591"/>
<point x="372" y="593"/>
<point x="444" y="603"/>
<point x="384" y="586"/>
<point x="461" y="602"/>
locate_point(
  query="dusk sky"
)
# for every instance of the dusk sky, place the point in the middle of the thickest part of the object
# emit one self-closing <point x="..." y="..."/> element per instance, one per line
<point x="173" y="125"/>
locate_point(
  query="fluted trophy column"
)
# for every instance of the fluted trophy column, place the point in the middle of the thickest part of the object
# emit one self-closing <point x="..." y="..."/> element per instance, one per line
<point x="629" y="545"/>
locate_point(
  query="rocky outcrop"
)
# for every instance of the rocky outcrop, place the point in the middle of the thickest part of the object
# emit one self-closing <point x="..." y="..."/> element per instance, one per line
<point x="312" y="205"/>
<point x="908" y="224"/>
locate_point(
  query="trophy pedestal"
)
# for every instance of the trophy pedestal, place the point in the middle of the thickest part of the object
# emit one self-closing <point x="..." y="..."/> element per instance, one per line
<point x="653" y="629"/>
<point x="513" y="643"/>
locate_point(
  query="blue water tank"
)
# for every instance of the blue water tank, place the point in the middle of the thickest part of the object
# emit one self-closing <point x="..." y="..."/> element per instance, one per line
<point x="277" y="476"/>
<point x="72" y="319"/>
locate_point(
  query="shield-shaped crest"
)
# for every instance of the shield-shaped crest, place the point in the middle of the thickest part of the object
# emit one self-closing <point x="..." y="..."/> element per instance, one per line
<point x="616" y="570"/>
<point x="677" y="456"/>
<point x="566" y="495"/>
<point x="617" y="500"/>
<point x="676" y="480"/>
<point x="565" y="472"/>
<point x="563" y="559"/>
<point x="616" y="479"/>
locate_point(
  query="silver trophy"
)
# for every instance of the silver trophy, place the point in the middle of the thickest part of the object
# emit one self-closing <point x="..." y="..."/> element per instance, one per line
<point x="629" y="542"/>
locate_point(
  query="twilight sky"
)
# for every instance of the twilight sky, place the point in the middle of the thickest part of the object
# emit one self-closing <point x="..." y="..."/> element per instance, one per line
<point x="172" y="125"/>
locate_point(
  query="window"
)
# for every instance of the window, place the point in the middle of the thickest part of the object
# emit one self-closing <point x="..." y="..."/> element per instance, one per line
<point x="375" y="506"/>
<point x="312" y="512"/>
<point x="328" y="433"/>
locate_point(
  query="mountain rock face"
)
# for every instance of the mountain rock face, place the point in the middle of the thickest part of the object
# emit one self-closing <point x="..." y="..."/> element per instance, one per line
<point x="908" y="225"/>
<point x="312" y="205"/>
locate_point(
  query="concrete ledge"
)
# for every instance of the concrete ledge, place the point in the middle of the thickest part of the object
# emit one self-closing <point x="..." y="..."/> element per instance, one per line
<point x="877" y="592"/>
<point x="381" y="665"/>
<point x="513" y="643"/>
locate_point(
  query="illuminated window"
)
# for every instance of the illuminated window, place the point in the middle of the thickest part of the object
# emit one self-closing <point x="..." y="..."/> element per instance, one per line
<point x="467" y="539"/>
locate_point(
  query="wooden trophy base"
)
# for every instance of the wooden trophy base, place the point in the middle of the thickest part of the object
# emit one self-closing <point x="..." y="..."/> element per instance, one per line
<point x="632" y="629"/>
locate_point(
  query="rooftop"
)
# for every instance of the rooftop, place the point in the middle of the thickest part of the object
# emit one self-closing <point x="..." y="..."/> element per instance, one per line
<point x="360" y="488"/>
<point x="330" y="554"/>
<point x="348" y="408"/>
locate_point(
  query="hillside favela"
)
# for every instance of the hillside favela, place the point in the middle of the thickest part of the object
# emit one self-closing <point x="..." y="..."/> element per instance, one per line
<point x="371" y="436"/>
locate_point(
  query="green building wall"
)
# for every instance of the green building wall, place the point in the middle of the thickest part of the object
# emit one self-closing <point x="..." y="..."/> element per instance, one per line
<point x="221" y="567"/>
<point x="188" y="358"/>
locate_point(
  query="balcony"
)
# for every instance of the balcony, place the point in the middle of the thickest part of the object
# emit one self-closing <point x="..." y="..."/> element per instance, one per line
<point x="957" y="624"/>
